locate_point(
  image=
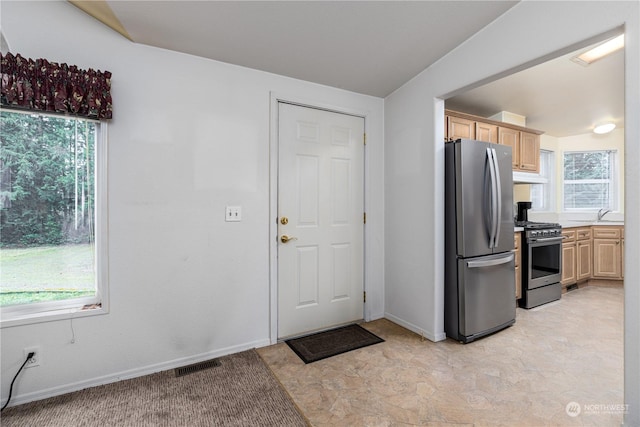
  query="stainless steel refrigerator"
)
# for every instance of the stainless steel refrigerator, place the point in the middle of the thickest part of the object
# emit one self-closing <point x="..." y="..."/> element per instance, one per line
<point x="479" y="241"/>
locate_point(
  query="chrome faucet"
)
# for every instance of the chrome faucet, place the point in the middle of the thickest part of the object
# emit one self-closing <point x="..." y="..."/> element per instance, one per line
<point x="602" y="212"/>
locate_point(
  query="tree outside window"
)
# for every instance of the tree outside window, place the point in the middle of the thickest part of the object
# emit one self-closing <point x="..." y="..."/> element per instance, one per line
<point x="589" y="178"/>
<point x="47" y="209"/>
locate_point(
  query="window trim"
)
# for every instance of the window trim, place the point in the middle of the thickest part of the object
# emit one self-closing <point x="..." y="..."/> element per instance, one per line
<point x="74" y="308"/>
<point x="548" y="180"/>
<point x="613" y="187"/>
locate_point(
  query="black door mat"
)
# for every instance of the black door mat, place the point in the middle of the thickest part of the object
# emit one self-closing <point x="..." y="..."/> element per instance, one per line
<point x="312" y="348"/>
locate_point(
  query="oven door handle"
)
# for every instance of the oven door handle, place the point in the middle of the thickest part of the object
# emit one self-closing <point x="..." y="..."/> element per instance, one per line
<point x="491" y="262"/>
<point x="547" y="239"/>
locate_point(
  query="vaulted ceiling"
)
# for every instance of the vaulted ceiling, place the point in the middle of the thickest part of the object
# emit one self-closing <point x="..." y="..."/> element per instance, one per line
<point x="370" y="47"/>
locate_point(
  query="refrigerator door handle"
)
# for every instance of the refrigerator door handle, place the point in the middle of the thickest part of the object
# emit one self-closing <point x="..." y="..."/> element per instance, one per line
<point x="498" y="221"/>
<point x="491" y="262"/>
<point x="494" y="225"/>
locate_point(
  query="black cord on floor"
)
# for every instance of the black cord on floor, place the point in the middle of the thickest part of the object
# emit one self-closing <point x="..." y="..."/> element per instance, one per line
<point x="14" y="379"/>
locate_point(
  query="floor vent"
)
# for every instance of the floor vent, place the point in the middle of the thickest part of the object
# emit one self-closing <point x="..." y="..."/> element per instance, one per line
<point x="200" y="366"/>
<point x="572" y="287"/>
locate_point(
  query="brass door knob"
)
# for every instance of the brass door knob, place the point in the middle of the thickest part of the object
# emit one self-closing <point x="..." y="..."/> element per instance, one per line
<point x="284" y="238"/>
<point x="284" y="220"/>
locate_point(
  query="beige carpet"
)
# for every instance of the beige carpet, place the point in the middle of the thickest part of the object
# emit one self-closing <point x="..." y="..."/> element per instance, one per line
<point x="242" y="391"/>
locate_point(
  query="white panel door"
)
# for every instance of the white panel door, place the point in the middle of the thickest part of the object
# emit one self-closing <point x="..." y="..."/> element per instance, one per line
<point x="320" y="208"/>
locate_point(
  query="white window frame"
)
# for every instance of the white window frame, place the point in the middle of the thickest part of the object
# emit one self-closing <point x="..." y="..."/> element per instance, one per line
<point x="26" y="314"/>
<point x="547" y="179"/>
<point x="613" y="188"/>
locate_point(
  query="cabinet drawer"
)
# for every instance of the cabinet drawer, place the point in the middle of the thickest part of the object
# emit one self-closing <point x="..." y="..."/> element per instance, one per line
<point x="606" y="232"/>
<point x="569" y="235"/>
<point x="583" y="234"/>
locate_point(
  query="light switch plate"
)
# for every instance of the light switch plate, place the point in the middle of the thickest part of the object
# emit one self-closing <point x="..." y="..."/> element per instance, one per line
<point x="233" y="214"/>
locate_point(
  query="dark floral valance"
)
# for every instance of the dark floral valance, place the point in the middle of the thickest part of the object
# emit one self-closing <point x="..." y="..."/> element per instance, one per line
<point x="41" y="85"/>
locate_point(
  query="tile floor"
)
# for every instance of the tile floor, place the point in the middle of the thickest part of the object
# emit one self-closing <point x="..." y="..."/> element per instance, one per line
<point x="526" y="375"/>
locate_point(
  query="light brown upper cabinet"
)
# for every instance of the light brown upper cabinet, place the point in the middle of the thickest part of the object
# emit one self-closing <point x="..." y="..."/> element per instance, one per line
<point x="511" y="137"/>
<point x="486" y="132"/>
<point x="529" y="152"/>
<point x="524" y="142"/>
<point x="525" y="148"/>
<point x="459" y="128"/>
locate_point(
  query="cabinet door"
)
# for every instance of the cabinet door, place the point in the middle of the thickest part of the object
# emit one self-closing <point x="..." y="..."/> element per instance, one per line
<point x="511" y="137"/>
<point x="529" y="152"/>
<point x="461" y="128"/>
<point x="568" y="264"/>
<point x="583" y="261"/>
<point x="486" y="132"/>
<point x="606" y="258"/>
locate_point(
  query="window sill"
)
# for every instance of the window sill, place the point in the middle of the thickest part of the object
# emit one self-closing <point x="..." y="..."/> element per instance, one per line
<point x="12" y="320"/>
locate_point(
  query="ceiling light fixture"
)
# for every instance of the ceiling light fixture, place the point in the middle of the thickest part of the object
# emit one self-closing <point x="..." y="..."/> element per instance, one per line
<point x="600" y="51"/>
<point x="604" y="128"/>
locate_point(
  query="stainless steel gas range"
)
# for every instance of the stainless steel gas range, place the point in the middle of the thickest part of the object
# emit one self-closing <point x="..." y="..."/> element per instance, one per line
<point x="541" y="263"/>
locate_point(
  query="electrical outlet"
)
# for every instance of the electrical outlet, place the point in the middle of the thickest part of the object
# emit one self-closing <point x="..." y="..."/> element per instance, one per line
<point x="36" y="360"/>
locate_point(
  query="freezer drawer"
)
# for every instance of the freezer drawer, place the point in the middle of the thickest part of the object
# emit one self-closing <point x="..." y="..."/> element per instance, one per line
<point x="484" y="300"/>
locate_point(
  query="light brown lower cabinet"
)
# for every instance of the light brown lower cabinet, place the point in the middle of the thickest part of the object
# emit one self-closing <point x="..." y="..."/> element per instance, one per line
<point x="568" y="257"/>
<point x="607" y="252"/>
<point x="577" y="255"/>
<point x="583" y="260"/>
<point x="569" y="275"/>
<point x="595" y="252"/>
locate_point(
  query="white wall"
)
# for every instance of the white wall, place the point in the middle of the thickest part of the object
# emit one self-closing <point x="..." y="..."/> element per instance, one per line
<point x="529" y="33"/>
<point x="188" y="137"/>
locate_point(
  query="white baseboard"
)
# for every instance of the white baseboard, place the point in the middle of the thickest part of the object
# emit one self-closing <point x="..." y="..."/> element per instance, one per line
<point x="373" y="317"/>
<point x="410" y="326"/>
<point x="133" y="373"/>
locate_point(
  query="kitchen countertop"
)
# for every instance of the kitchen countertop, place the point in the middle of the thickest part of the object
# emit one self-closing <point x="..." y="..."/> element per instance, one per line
<point x="573" y="224"/>
<point x="576" y="223"/>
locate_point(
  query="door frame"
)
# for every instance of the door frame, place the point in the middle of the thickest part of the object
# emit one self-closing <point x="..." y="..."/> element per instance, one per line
<point x="277" y="98"/>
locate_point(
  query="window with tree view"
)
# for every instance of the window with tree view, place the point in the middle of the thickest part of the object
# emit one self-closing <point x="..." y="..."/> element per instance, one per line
<point x="48" y="212"/>
<point x="589" y="180"/>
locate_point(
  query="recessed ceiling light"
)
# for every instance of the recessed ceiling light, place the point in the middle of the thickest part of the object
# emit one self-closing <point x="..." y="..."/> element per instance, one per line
<point x="600" y="51"/>
<point x="604" y="128"/>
